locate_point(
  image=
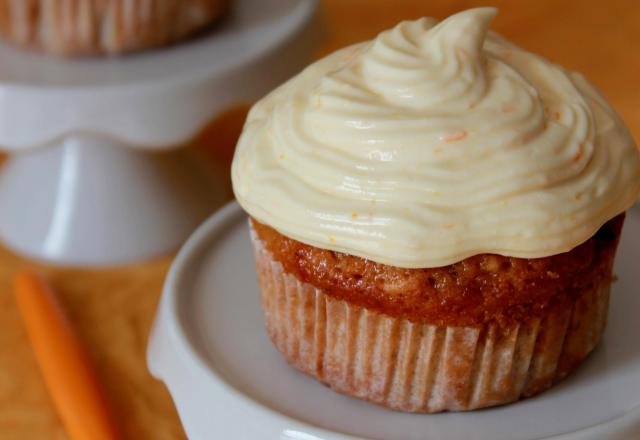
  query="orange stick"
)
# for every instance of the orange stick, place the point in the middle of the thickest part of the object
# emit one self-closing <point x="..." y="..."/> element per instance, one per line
<point x="64" y="363"/>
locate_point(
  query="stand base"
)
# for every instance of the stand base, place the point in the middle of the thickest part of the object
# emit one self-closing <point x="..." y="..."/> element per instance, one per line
<point x="89" y="202"/>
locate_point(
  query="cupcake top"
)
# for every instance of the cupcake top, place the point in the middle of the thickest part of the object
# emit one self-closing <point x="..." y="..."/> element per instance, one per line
<point x="432" y="143"/>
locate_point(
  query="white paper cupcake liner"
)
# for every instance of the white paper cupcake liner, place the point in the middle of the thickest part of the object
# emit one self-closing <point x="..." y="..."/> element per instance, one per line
<point x="417" y="367"/>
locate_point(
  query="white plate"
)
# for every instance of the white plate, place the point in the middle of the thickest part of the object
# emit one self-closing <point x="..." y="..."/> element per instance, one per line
<point x="210" y="347"/>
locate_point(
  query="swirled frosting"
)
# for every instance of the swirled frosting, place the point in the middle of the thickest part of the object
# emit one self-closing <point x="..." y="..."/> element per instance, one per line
<point x="432" y="143"/>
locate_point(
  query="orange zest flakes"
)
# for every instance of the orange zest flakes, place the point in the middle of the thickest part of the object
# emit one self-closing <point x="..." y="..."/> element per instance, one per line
<point x="448" y="226"/>
<point x="354" y="215"/>
<point x="578" y="155"/>
<point x="455" y="136"/>
<point x="462" y="53"/>
<point x="349" y="55"/>
<point x="556" y="116"/>
<point x="281" y="156"/>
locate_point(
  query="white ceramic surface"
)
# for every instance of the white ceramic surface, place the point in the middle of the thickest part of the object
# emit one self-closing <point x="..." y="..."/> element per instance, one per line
<point x="85" y="184"/>
<point x="89" y="201"/>
<point x="209" y="346"/>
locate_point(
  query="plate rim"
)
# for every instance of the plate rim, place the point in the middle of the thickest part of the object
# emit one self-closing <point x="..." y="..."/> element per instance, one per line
<point x="191" y="250"/>
<point x="621" y="427"/>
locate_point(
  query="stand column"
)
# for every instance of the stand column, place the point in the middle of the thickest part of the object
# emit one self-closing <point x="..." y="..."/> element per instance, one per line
<point x="92" y="201"/>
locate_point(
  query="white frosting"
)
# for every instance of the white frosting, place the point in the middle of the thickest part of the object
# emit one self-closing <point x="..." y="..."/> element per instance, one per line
<point x="433" y="143"/>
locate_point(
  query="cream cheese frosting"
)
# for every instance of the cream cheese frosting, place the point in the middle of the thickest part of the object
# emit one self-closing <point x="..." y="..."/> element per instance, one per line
<point x="432" y="143"/>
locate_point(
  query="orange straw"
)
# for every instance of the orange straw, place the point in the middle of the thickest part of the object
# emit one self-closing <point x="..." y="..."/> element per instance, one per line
<point x="65" y="365"/>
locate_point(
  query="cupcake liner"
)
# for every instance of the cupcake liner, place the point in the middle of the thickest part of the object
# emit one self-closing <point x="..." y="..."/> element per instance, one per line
<point x="80" y="27"/>
<point x="417" y="367"/>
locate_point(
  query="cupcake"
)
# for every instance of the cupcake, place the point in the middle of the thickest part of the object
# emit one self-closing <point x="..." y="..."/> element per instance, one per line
<point x="90" y="27"/>
<point x="435" y="215"/>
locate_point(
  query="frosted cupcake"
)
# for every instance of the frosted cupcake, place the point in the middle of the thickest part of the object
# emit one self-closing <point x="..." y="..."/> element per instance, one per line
<point x="435" y="215"/>
<point x="89" y="27"/>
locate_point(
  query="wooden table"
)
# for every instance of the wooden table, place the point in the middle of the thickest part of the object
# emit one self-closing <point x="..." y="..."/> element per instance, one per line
<point x="113" y="309"/>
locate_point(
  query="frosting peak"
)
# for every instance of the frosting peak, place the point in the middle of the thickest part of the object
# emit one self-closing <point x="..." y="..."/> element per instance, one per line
<point x="432" y="143"/>
<point x="421" y="64"/>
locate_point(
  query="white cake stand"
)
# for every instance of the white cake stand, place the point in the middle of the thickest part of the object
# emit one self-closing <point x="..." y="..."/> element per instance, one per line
<point x="210" y="347"/>
<point x="96" y="175"/>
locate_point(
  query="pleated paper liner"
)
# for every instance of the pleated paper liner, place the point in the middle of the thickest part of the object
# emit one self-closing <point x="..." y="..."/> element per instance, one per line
<point x="88" y="27"/>
<point x="423" y="368"/>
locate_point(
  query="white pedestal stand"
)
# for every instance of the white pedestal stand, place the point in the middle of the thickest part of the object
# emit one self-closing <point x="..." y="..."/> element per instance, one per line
<point x="96" y="175"/>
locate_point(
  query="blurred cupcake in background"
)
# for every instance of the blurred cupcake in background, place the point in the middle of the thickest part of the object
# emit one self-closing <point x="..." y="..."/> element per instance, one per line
<point x="94" y="27"/>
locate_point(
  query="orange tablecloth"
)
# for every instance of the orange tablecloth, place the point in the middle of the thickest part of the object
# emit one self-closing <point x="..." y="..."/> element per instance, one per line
<point x="113" y="309"/>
